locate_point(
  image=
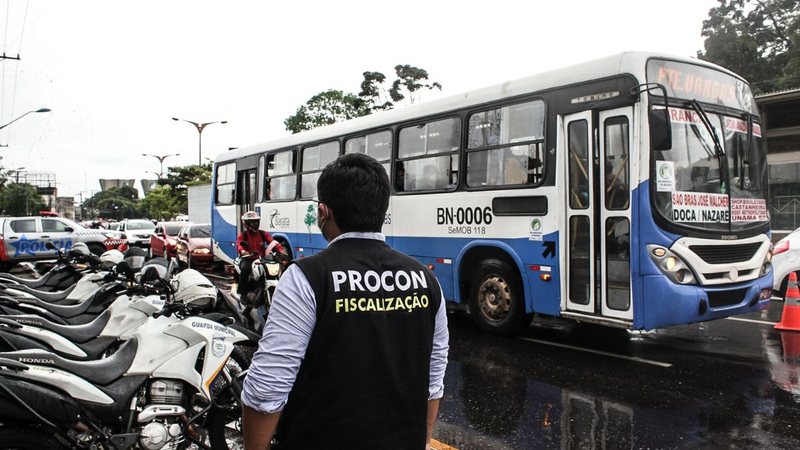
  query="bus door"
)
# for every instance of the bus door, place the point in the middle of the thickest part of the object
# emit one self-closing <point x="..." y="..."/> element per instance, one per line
<point x="246" y="194"/>
<point x="596" y="150"/>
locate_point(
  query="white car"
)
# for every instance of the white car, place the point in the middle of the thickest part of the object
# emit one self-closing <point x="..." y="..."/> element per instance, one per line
<point x="137" y="232"/>
<point x="785" y="259"/>
<point x="25" y="238"/>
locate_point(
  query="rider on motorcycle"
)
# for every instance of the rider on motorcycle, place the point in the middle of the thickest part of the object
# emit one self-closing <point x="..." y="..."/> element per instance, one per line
<point x="253" y="242"/>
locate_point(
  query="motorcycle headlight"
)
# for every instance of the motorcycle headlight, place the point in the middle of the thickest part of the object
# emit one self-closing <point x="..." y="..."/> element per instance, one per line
<point x="671" y="264"/>
<point x="273" y="269"/>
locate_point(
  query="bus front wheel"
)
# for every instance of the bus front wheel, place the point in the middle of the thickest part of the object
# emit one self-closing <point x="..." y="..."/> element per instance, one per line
<point x="497" y="303"/>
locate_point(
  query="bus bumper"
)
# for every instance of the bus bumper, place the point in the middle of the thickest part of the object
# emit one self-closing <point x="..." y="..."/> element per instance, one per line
<point x="666" y="303"/>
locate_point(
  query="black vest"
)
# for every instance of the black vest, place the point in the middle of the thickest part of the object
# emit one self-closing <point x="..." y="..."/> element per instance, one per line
<point x="364" y="380"/>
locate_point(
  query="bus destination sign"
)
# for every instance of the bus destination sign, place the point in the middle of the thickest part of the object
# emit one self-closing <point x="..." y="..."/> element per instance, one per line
<point x="688" y="81"/>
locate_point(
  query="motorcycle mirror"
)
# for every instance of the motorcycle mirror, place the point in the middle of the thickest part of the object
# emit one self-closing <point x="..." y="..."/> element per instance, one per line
<point x="49" y="245"/>
<point x="245" y="245"/>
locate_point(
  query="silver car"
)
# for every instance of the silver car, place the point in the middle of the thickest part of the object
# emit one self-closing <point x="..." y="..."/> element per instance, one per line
<point x="137" y="231"/>
<point x="24" y="238"/>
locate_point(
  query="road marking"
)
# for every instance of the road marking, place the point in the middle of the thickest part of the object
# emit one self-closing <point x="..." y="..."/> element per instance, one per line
<point x="598" y="352"/>
<point x="762" y="322"/>
<point x="436" y="445"/>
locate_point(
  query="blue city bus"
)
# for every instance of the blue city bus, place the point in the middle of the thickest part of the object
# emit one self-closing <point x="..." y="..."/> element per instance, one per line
<point x="629" y="191"/>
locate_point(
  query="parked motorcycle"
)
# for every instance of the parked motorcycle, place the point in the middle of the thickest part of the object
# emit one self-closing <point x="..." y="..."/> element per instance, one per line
<point x="176" y="381"/>
<point x="69" y="268"/>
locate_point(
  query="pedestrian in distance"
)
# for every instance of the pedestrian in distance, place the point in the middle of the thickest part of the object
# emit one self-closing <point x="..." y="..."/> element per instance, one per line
<point x="354" y="351"/>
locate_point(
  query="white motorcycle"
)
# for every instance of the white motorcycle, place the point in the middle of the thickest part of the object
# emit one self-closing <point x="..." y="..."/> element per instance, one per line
<point x="176" y="381"/>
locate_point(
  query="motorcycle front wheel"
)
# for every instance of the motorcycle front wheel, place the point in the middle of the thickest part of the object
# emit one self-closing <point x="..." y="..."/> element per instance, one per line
<point x="224" y="423"/>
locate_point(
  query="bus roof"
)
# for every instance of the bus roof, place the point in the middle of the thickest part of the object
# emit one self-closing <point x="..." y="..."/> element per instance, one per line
<point x="627" y="62"/>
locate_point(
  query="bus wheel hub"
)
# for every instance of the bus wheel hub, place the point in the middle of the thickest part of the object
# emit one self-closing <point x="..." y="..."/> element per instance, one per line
<point x="494" y="298"/>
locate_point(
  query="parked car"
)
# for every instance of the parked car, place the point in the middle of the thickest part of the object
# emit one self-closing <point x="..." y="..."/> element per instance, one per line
<point x="164" y="237"/>
<point x="785" y="259"/>
<point x="193" y="248"/>
<point x="24" y="238"/>
<point x="137" y="231"/>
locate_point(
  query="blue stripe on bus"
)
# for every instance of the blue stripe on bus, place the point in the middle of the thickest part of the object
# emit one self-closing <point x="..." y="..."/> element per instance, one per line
<point x="224" y="233"/>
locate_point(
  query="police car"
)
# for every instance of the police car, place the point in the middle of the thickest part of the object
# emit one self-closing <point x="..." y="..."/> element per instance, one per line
<point x="24" y="238"/>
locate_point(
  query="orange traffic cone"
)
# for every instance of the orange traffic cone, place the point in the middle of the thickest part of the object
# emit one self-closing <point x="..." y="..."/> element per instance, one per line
<point x="790" y="319"/>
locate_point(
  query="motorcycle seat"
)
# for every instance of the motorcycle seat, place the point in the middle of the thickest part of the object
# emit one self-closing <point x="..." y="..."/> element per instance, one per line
<point x="64" y="310"/>
<point x="44" y="295"/>
<point x="76" y="333"/>
<point x="101" y="371"/>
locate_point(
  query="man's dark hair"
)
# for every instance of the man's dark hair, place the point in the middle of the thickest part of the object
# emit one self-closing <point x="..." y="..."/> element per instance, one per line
<point x="356" y="187"/>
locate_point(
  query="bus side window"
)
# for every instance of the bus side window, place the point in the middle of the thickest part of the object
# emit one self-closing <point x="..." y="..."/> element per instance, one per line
<point x="429" y="154"/>
<point x="578" y="138"/>
<point x="505" y="146"/>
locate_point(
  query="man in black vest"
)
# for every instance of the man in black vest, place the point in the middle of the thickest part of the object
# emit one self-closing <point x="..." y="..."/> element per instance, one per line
<point x="355" y="348"/>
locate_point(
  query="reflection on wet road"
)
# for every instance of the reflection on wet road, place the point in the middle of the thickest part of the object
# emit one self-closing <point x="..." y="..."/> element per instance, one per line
<point x="722" y="384"/>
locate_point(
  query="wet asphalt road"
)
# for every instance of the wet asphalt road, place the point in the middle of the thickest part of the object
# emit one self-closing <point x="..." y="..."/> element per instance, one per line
<point x="722" y="384"/>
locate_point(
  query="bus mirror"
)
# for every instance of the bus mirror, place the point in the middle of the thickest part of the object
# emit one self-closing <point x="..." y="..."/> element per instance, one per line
<point x="660" y="129"/>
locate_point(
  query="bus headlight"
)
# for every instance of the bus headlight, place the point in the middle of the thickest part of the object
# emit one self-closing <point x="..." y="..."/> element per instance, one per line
<point x="671" y="264"/>
<point x="767" y="265"/>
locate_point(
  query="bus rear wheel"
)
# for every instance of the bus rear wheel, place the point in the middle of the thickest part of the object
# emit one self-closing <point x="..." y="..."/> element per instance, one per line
<point x="497" y="303"/>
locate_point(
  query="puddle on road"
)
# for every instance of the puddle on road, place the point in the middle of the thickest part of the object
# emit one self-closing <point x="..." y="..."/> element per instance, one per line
<point x="503" y="394"/>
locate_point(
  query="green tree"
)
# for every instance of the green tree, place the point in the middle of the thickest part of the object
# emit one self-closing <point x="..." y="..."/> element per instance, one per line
<point x="178" y="179"/>
<point x="20" y="199"/>
<point x="326" y="108"/>
<point x="117" y="203"/>
<point x="160" y="204"/>
<point x="757" y="39"/>
<point x="333" y="106"/>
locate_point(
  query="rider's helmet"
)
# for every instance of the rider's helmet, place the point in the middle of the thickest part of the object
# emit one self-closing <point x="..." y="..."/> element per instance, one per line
<point x="192" y="288"/>
<point x="251" y="219"/>
<point x="79" y="249"/>
<point x="111" y="258"/>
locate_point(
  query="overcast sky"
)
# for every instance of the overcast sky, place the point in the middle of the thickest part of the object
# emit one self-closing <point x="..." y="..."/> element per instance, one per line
<point x="115" y="72"/>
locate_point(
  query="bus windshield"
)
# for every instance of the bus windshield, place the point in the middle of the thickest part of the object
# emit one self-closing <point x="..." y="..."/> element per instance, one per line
<point x="715" y="175"/>
<point x="689" y="188"/>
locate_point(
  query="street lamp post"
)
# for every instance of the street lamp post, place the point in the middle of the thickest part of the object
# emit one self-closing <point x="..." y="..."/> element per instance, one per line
<point x="40" y="110"/>
<point x="161" y="159"/>
<point x="200" y="127"/>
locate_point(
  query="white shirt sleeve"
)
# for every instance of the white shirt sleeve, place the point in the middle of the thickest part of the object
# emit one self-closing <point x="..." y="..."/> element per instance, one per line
<point x="441" y="345"/>
<point x="283" y="345"/>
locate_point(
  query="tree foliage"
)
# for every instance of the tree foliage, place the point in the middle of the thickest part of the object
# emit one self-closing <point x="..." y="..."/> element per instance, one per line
<point x="178" y="179"/>
<point x="326" y="108"/>
<point x="160" y="204"/>
<point x="333" y="106"/>
<point x="20" y="199"/>
<point x="115" y="203"/>
<point x="757" y="39"/>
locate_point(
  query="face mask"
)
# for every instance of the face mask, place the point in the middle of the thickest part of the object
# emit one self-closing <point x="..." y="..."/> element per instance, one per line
<point x="321" y="223"/>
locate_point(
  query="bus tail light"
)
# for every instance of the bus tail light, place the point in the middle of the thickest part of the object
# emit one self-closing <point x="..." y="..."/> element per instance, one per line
<point x="671" y="265"/>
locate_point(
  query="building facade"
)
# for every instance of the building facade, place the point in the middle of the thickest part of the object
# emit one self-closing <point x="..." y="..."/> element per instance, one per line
<point x="780" y="116"/>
